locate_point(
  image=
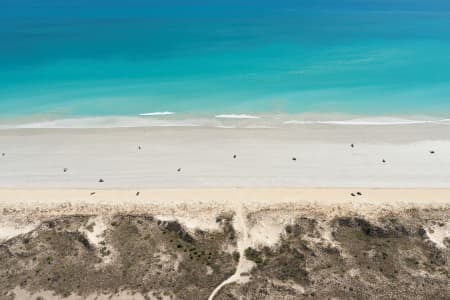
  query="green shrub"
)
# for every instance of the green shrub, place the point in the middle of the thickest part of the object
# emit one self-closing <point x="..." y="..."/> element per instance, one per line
<point x="253" y="255"/>
<point x="236" y="256"/>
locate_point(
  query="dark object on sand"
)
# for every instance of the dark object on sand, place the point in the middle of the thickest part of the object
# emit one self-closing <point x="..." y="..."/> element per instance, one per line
<point x="353" y="194"/>
<point x="179" y="170"/>
<point x="384" y="161"/>
<point x="432" y="152"/>
<point x="234" y="156"/>
<point x="137" y="194"/>
<point x="93" y="193"/>
<point x="352" y="145"/>
<point x="101" y="180"/>
<point x="3" y="154"/>
<point x="358" y="193"/>
<point x="139" y="147"/>
<point x="294" y="159"/>
<point x="65" y="170"/>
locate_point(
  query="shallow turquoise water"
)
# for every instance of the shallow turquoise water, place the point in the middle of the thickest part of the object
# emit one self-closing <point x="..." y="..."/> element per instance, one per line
<point x="80" y="59"/>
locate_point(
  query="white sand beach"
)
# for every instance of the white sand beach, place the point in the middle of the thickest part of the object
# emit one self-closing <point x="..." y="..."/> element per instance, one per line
<point x="304" y="156"/>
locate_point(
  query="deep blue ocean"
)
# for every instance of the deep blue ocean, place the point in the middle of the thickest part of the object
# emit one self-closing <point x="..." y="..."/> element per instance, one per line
<point x="65" y="59"/>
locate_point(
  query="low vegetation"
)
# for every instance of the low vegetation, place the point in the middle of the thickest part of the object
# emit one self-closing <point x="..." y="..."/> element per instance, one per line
<point x="389" y="257"/>
<point x="136" y="254"/>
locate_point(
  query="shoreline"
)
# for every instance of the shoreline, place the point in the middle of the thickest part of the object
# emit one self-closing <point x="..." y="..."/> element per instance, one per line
<point x="221" y="120"/>
<point x="308" y="132"/>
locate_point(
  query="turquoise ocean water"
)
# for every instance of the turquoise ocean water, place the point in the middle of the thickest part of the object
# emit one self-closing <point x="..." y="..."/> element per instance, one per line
<point x="73" y="59"/>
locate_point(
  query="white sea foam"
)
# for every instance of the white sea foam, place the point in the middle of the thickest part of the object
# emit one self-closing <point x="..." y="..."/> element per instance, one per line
<point x="225" y="127"/>
<point x="158" y="113"/>
<point x="236" y="116"/>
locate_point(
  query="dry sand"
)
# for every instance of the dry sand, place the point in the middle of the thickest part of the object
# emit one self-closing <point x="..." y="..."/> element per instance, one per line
<point x="219" y="198"/>
<point x="264" y="157"/>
